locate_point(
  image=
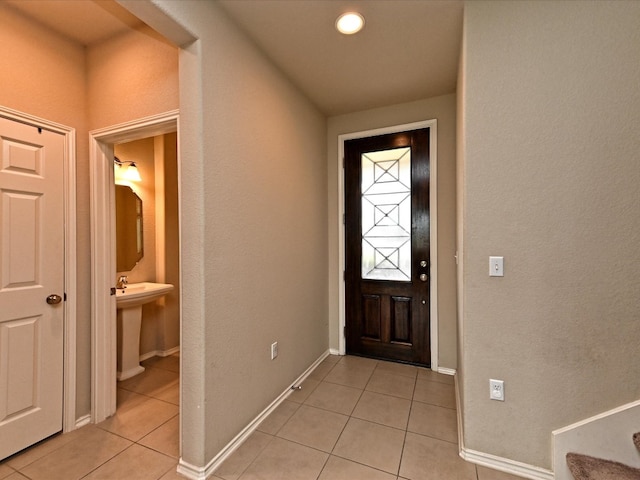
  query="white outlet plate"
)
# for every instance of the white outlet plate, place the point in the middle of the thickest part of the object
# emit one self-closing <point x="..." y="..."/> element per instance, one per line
<point x="496" y="390"/>
<point x="274" y="350"/>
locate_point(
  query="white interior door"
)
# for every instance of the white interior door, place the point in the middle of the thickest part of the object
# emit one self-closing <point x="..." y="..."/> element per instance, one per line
<point x="31" y="271"/>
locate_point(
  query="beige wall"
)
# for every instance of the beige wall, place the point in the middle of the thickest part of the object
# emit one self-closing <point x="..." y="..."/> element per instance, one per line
<point x="253" y="223"/>
<point x="42" y="73"/>
<point x="550" y="175"/>
<point x="168" y="268"/>
<point x="132" y="76"/>
<point x="443" y="109"/>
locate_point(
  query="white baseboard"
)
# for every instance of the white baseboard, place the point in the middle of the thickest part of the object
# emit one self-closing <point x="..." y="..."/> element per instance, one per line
<point x="447" y="371"/>
<point x="506" y="465"/>
<point x="199" y="473"/>
<point x="334" y="351"/>
<point x="159" y="353"/>
<point x="82" y="421"/>
<point x="493" y="461"/>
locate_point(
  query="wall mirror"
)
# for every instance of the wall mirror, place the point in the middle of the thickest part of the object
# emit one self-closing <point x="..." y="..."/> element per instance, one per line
<point x="129" y="243"/>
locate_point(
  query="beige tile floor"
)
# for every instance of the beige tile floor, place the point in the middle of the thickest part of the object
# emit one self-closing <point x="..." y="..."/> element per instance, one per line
<point x="359" y="419"/>
<point x="140" y="442"/>
<point x="354" y="419"/>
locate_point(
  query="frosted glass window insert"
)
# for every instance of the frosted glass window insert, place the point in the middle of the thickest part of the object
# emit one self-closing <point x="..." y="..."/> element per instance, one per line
<point x="386" y="215"/>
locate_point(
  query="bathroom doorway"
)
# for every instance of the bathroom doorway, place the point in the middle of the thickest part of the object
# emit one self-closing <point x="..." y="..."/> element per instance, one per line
<point x="161" y="129"/>
<point x="147" y="246"/>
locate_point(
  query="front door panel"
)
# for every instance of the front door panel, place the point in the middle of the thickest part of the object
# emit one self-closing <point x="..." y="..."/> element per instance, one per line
<point x="387" y="246"/>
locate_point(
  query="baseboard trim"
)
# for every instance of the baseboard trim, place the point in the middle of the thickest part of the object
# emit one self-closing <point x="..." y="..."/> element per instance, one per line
<point x="493" y="461"/>
<point x="198" y="473"/>
<point x="506" y="465"/>
<point x="82" y="421"/>
<point x="334" y="351"/>
<point x="159" y="353"/>
<point x="447" y="371"/>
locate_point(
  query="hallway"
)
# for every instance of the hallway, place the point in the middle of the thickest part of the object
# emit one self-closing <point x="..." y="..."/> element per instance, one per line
<point x="354" y="418"/>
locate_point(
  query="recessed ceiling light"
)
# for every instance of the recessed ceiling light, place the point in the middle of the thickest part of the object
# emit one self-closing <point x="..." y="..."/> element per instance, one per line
<point x="350" y="23"/>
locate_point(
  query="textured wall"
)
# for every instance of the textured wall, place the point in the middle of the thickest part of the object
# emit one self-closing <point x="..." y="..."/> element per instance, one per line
<point x="131" y="76"/>
<point x="550" y="175"/>
<point x="170" y="336"/>
<point x="443" y="109"/>
<point x="254" y="249"/>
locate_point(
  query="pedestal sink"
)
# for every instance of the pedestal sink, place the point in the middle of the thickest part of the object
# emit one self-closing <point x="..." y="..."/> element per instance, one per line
<point x="129" y="303"/>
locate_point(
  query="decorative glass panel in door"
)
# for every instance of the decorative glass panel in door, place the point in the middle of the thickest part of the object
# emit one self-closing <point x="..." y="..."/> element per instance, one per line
<point x="386" y="215"/>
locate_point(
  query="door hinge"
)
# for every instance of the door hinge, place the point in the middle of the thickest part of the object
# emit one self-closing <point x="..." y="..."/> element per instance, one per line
<point x="112" y="291"/>
<point x="344" y="218"/>
<point x="64" y="297"/>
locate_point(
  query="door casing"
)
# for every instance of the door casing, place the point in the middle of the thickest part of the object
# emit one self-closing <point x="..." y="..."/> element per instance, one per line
<point x="103" y="259"/>
<point x="433" y="207"/>
<point x="69" y="174"/>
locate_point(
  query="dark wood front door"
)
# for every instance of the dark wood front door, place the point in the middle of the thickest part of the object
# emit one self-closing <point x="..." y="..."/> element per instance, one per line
<point x="387" y="246"/>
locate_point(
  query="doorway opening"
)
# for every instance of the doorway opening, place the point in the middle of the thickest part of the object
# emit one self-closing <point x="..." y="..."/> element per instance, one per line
<point x="103" y="144"/>
<point x="432" y="266"/>
<point x="387" y="246"/>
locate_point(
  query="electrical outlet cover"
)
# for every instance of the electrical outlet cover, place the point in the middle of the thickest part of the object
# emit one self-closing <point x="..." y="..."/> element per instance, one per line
<point x="496" y="390"/>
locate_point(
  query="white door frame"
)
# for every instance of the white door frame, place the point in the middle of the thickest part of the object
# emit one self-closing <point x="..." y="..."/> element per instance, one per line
<point x="70" y="306"/>
<point x="103" y="257"/>
<point x="433" y="227"/>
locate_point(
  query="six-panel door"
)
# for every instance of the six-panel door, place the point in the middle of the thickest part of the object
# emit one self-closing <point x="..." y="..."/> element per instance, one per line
<point x="31" y="269"/>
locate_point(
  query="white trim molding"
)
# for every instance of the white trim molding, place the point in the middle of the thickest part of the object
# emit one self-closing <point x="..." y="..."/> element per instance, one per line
<point x="103" y="262"/>
<point x="447" y="371"/>
<point x="432" y="125"/>
<point x="506" y="465"/>
<point x="201" y="473"/>
<point x="70" y="257"/>
<point x="159" y="353"/>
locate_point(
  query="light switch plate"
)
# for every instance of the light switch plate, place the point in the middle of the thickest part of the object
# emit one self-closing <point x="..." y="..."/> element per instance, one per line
<point x="496" y="266"/>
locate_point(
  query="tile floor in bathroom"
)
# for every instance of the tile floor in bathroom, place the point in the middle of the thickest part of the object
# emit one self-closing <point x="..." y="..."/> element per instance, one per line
<point x="354" y="419"/>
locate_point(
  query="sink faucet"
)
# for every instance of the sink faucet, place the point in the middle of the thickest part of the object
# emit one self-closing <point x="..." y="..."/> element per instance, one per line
<point x="122" y="282"/>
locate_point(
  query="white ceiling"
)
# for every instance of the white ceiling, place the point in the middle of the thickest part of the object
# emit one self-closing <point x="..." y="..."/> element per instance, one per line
<point x="407" y="51"/>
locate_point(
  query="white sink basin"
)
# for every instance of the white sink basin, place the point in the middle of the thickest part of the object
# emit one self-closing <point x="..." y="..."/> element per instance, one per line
<point x="140" y="293"/>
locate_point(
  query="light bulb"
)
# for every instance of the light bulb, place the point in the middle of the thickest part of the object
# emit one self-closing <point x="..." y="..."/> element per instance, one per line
<point x="350" y="23"/>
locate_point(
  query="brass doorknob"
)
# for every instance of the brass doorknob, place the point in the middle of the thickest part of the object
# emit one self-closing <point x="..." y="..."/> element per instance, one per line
<point x="54" y="299"/>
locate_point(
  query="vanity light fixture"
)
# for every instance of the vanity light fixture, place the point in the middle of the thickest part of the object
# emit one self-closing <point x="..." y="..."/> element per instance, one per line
<point x="131" y="172"/>
<point x="350" y="23"/>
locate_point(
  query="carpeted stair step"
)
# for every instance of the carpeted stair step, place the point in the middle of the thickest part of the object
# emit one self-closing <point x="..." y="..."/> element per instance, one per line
<point x="584" y="467"/>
